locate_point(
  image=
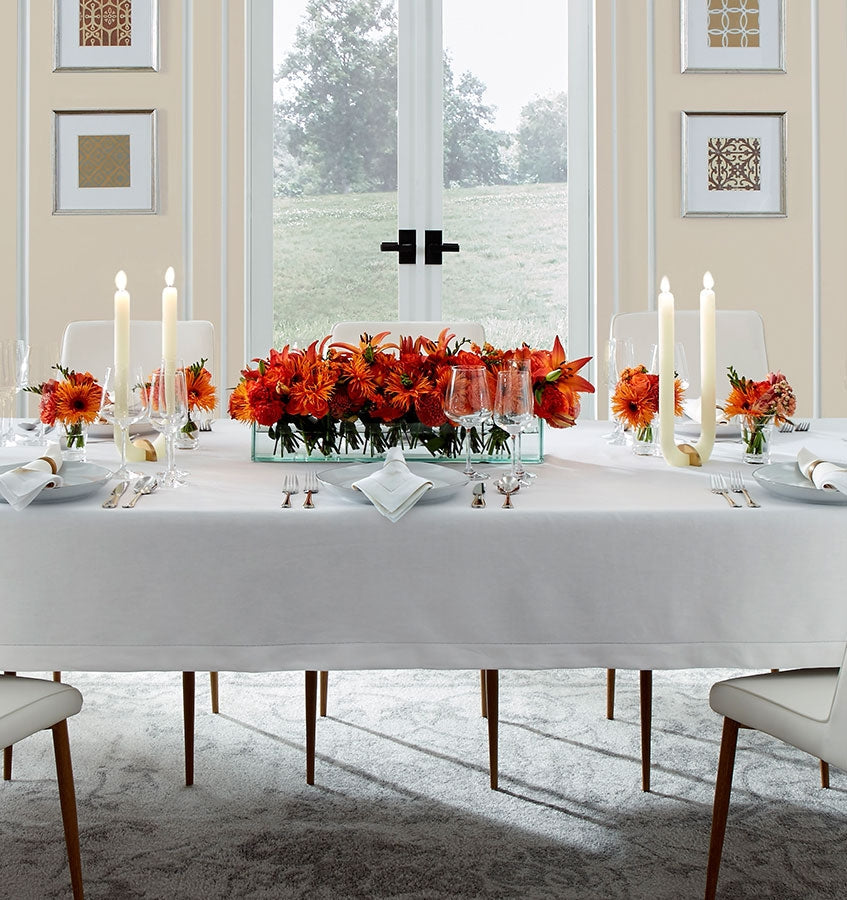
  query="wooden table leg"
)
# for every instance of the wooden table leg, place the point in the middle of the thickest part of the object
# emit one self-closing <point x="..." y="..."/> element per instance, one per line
<point x="324" y="692"/>
<point x="311" y="723"/>
<point x="610" y="693"/>
<point x="492" y="703"/>
<point x="484" y="702"/>
<point x="824" y="774"/>
<point x="213" y="687"/>
<point x="188" y="725"/>
<point x="646" y="679"/>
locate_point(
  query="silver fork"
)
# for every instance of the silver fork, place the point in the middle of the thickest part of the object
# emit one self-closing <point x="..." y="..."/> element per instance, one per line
<point x="802" y="425"/>
<point x="719" y="487"/>
<point x="290" y="485"/>
<point x="310" y="486"/>
<point x="787" y="427"/>
<point x="736" y="485"/>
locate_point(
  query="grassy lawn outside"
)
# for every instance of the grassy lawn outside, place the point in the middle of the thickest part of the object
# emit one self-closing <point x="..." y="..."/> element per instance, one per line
<point x="511" y="272"/>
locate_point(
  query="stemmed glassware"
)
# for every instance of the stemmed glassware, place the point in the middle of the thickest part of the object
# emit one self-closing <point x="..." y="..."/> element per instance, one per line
<point x="168" y="411"/>
<point x="513" y="406"/>
<point x="468" y="402"/>
<point x="620" y="355"/>
<point x="13" y="377"/>
<point x="123" y="408"/>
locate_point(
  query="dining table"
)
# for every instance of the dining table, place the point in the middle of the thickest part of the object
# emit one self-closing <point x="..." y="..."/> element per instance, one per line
<point x="608" y="559"/>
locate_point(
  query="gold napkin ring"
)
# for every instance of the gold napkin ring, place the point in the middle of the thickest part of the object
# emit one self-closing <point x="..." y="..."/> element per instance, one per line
<point x="50" y="462"/>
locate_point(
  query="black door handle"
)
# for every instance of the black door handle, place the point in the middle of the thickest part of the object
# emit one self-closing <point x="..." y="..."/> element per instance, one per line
<point x="404" y="247"/>
<point x="433" y="248"/>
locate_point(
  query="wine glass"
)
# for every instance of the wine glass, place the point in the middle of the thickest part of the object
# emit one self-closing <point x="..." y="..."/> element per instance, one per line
<point x="468" y="402"/>
<point x="167" y="412"/>
<point x="680" y="363"/>
<point x="40" y="368"/>
<point x="513" y="406"/>
<point x="620" y="355"/>
<point x="13" y="377"/>
<point x="122" y="406"/>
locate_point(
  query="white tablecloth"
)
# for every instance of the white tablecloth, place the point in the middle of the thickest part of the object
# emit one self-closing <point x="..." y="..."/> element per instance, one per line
<point x="607" y="560"/>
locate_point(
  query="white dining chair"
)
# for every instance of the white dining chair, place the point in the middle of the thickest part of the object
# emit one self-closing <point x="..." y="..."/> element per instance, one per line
<point x="350" y="333"/>
<point x="806" y="708"/>
<point x="739" y="342"/>
<point x="88" y="346"/>
<point x="28" y="705"/>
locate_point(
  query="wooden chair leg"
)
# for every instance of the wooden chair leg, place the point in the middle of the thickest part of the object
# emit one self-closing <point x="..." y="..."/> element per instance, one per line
<point x="7" y="755"/>
<point x="67" y="801"/>
<point x="483" y="700"/>
<point x="723" y="788"/>
<point x="492" y="705"/>
<point x="646" y="679"/>
<point x="213" y="687"/>
<point x="57" y="676"/>
<point x="610" y="693"/>
<point x="324" y="692"/>
<point x="311" y="723"/>
<point x="188" y="690"/>
<point x="824" y="774"/>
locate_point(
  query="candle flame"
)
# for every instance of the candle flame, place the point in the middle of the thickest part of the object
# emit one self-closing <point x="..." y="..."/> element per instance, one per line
<point x="665" y="285"/>
<point x="169" y="276"/>
<point x="708" y="281"/>
<point x="120" y="280"/>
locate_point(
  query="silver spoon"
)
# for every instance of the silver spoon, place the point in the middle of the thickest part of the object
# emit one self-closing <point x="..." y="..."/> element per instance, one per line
<point x="146" y="485"/>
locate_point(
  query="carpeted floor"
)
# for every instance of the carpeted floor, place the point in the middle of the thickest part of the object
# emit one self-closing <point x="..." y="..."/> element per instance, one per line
<point x="402" y="808"/>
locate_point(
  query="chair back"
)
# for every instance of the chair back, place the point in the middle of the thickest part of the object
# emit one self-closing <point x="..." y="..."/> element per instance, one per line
<point x="350" y="332"/>
<point x="90" y="346"/>
<point x="739" y="342"/>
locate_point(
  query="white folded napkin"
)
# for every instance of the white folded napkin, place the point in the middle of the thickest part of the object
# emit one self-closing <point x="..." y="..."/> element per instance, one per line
<point x="22" y="485"/>
<point x="393" y="489"/>
<point x="691" y="407"/>
<point x="823" y="475"/>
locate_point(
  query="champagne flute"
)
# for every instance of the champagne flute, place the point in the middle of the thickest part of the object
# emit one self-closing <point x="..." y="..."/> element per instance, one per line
<point x="468" y="402"/>
<point x="167" y="412"/>
<point x="13" y="377"/>
<point x="620" y="355"/>
<point x="513" y="406"/>
<point x="122" y="406"/>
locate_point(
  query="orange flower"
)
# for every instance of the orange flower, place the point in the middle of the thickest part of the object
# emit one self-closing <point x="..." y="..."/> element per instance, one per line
<point x="239" y="403"/>
<point x="198" y="383"/>
<point x="772" y="397"/>
<point x="77" y="403"/>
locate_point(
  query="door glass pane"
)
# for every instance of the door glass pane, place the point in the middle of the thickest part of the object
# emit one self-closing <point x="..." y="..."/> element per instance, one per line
<point x="335" y="164"/>
<point x="505" y="168"/>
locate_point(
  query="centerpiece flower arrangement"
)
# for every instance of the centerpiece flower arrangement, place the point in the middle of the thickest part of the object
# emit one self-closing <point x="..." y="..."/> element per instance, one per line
<point x="375" y="395"/>
<point x="73" y="401"/>
<point x="759" y="405"/>
<point x="635" y="402"/>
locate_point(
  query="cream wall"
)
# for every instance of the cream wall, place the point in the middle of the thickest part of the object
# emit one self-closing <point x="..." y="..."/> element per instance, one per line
<point x="72" y="259"/>
<point x="773" y="265"/>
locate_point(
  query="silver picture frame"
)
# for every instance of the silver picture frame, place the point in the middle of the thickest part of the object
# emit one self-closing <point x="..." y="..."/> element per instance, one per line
<point x="105" y="162"/>
<point x="734" y="164"/>
<point x="720" y="40"/>
<point x="71" y="54"/>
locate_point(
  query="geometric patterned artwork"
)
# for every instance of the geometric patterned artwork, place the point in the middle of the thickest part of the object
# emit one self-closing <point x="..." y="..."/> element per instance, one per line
<point x="105" y="23"/>
<point x="734" y="164"/>
<point x="733" y="23"/>
<point x="103" y="161"/>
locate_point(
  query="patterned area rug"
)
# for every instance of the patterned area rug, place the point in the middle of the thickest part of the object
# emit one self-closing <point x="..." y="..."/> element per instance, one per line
<point x="402" y="808"/>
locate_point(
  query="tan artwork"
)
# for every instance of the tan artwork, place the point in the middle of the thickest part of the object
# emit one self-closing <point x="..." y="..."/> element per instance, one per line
<point x="105" y="23"/>
<point x="734" y="164"/>
<point x="733" y="23"/>
<point x="104" y="161"/>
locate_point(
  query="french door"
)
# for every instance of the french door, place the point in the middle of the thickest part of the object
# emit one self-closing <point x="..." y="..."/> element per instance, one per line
<point x="421" y="167"/>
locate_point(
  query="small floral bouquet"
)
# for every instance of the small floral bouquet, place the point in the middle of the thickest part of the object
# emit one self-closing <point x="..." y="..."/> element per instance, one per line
<point x="636" y="401"/>
<point x="759" y="405"/>
<point x="201" y="392"/>
<point x="373" y="395"/>
<point x="73" y="401"/>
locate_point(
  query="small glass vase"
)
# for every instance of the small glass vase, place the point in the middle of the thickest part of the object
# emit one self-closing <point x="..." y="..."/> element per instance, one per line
<point x="756" y="432"/>
<point x="187" y="436"/>
<point x="644" y="438"/>
<point x="73" y="441"/>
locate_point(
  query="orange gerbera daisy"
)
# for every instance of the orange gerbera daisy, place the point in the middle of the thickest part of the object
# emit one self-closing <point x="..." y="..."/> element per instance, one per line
<point x="198" y="383"/>
<point x="77" y="403"/>
<point x="239" y="403"/>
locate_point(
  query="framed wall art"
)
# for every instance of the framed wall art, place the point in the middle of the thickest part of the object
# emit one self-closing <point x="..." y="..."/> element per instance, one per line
<point x="733" y="164"/>
<point x="104" y="161"/>
<point x="105" y="35"/>
<point x="732" y="35"/>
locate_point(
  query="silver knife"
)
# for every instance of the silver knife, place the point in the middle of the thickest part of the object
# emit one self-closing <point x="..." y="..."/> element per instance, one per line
<point x="117" y="493"/>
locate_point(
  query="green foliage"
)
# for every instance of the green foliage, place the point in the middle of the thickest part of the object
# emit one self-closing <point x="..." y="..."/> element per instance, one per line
<point x="542" y="140"/>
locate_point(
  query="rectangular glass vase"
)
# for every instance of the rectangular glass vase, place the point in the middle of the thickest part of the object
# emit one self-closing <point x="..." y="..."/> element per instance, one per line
<point x="411" y="438"/>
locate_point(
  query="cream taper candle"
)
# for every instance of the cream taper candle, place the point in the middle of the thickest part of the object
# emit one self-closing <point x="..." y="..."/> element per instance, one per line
<point x="673" y="455"/>
<point x="169" y="316"/>
<point x="707" y="369"/>
<point x="121" y="360"/>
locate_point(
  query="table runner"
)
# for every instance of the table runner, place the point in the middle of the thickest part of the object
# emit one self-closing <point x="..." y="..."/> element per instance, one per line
<point x="607" y="560"/>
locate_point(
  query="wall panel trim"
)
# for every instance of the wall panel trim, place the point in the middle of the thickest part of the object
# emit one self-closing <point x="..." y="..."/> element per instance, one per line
<point x="187" y="293"/>
<point x="651" y="154"/>
<point x="816" y="211"/>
